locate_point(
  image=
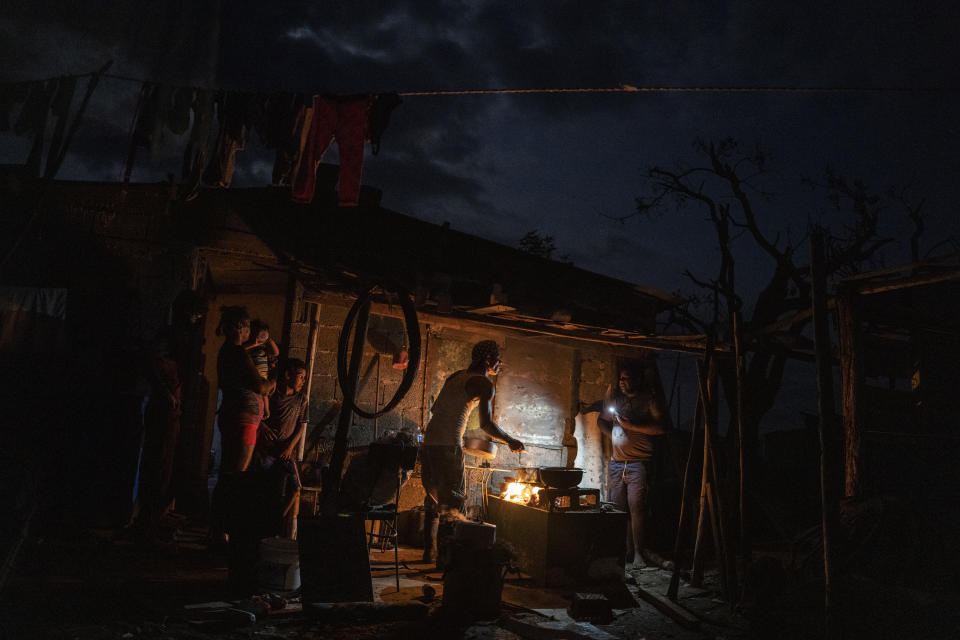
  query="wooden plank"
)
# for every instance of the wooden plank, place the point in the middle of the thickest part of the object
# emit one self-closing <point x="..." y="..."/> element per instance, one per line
<point x="494" y="308"/>
<point x="696" y="578"/>
<point x="830" y="508"/>
<point x="674" y="586"/>
<point x="672" y="609"/>
<point x="851" y="380"/>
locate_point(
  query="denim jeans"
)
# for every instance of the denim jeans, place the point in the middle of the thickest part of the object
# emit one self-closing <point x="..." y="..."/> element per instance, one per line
<point x="629" y="483"/>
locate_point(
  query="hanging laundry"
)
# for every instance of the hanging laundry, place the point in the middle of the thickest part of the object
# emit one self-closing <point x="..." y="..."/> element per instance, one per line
<point x="285" y="125"/>
<point x="301" y="132"/>
<point x="233" y="112"/>
<point x="195" y="153"/>
<point x="61" y="109"/>
<point x="33" y="119"/>
<point x="178" y="117"/>
<point x="273" y="127"/>
<point x="145" y="117"/>
<point x="380" y="110"/>
<point x="11" y="94"/>
<point x="343" y="119"/>
<point x="56" y="96"/>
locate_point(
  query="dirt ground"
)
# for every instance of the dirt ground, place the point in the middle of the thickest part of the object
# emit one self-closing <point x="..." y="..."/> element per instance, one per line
<point x="95" y="583"/>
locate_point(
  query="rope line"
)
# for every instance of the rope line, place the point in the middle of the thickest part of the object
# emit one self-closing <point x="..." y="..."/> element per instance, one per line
<point x="623" y="88"/>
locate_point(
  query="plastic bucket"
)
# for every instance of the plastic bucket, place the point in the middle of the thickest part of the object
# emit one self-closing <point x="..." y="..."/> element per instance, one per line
<point x="279" y="566"/>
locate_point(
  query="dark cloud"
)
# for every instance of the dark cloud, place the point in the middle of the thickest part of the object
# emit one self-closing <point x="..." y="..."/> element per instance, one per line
<point x="503" y="165"/>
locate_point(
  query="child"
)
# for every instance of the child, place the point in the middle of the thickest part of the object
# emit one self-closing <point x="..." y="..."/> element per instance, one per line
<point x="265" y="354"/>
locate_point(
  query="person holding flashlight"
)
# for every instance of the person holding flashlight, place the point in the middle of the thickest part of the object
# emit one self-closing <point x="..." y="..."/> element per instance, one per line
<point x="633" y="417"/>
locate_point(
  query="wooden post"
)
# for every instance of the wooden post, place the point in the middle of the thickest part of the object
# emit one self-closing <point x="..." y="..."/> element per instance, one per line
<point x="331" y="484"/>
<point x="294" y="512"/>
<point x="850" y="381"/>
<point x="714" y="502"/>
<point x="745" y="542"/>
<point x="829" y="505"/>
<point x="696" y="574"/>
<point x="714" y="513"/>
<point x="310" y="361"/>
<point x="674" y="587"/>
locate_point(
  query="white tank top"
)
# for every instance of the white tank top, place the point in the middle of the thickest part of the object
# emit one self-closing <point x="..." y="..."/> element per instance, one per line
<point x="450" y="411"/>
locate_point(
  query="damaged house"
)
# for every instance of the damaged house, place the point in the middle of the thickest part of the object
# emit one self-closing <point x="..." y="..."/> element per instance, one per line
<point x="119" y="255"/>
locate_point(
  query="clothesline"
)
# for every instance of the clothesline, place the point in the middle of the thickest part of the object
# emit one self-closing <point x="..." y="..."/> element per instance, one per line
<point x="623" y="88"/>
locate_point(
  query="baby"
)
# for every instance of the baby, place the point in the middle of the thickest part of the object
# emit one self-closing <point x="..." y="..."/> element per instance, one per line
<point x="265" y="354"/>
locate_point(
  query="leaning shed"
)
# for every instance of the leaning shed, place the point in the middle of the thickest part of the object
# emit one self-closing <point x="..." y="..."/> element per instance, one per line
<point x="562" y="330"/>
<point x="121" y="253"/>
<point x="899" y="340"/>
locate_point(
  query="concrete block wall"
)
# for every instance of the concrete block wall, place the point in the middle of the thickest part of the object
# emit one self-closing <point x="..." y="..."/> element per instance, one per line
<point x="597" y="373"/>
<point x="378" y="381"/>
<point x="533" y="400"/>
<point x="539" y="393"/>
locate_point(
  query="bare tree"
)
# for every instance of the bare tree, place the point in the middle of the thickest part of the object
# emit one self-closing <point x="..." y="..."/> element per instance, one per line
<point x="726" y="186"/>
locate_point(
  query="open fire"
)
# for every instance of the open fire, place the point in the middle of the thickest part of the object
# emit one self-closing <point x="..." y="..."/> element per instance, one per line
<point x="520" y="492"/>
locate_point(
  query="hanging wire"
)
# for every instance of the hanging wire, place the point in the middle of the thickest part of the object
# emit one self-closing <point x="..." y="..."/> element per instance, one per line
<point x="623" y="88"/>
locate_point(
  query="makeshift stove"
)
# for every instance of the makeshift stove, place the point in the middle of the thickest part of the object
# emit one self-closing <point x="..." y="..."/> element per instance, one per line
<point x="562" y="537"/>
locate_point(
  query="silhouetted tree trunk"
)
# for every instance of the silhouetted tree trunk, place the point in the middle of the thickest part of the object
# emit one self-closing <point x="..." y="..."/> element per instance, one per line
<point x="725" y="186"/>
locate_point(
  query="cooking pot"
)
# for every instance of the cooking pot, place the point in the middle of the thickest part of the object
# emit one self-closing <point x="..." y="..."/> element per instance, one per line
<point x="528" y="474"/>
<point x="479" y="446"/>
<point x="560" y="477"/>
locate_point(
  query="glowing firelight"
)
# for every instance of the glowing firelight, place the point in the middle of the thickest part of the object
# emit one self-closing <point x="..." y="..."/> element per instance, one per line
<point x="521" y="492"/>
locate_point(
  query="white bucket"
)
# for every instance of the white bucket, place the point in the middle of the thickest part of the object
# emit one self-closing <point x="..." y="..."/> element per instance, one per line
<point x="279" y="566"/>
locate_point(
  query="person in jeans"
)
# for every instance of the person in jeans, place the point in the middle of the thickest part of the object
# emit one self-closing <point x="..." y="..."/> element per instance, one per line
<point x="633" y="418"/>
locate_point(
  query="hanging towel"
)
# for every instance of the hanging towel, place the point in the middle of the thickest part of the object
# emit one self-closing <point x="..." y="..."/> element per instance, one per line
<point x="195" y="153"/>
<point x="232" y="112"/>
<point x="343" y="119"/>
<point x="178" y="117"/>
<point x="33" y="119"/>
<point x="380" y="110"/>
<point x="144" y="121"/>
<point x="11" y="94"/>
<point x="281" y="128"/>
<point x="61" y="109"/>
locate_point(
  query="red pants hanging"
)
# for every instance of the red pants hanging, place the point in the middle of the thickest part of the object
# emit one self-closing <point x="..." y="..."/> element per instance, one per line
<point x="343" y="119"/>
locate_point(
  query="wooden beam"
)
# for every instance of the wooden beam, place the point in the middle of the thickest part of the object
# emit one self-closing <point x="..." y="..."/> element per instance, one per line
<point x="467" y="321"/>
<point x="310" y="361"/>
<point x="911" y="267"/>
<point x="916" y="281"/>
<point x="746" y="552"/>
<point x="672" y="609"/>
<point x="851" y="381"/>
<point x="674" y="586"/>
<point x="830" y="508"/>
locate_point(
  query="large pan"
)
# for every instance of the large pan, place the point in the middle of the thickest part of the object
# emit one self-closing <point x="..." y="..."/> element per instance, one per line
<point x="560" y="477"/>
<point x="479" y="446"/>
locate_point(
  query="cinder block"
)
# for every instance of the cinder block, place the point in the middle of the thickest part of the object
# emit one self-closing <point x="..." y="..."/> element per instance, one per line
<point x="591" y="607"/>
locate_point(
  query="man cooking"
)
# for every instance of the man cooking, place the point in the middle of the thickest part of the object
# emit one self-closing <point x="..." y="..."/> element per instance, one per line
<point x="632" y="417"/>
<point x="441" y="457"/>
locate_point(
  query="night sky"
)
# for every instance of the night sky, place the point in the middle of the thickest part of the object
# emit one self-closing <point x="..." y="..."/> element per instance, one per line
<point x="565" y="165"/>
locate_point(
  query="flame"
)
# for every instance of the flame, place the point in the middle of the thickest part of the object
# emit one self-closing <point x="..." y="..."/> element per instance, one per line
<point x="521" y="492"/>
